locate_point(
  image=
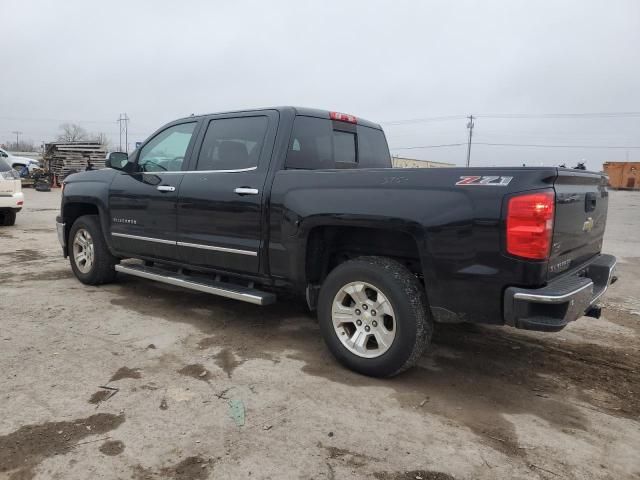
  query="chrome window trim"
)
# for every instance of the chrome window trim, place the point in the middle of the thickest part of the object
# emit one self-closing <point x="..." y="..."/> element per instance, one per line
<point x="145" y="239"/>
<point x="218" y="249"/>
<point x="249" y="169"/>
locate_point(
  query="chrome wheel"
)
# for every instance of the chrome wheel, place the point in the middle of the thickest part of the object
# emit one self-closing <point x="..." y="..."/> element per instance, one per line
<point x="363" y="319"/>
<point x="83" y="251"/>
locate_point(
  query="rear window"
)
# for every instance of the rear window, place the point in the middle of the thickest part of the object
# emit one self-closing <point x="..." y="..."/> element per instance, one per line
<point x="318" y="143"/>
<point x="4" y="165"/>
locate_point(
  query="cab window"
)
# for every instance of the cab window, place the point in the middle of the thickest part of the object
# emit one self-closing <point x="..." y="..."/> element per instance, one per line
<point x="232" y="143"/>
<point x="318" y="143"/>
<point x="165" y="152"/>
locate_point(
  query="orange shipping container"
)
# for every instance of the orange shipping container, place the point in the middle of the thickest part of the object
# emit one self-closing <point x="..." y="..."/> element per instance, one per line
<point x="624" y="175"/>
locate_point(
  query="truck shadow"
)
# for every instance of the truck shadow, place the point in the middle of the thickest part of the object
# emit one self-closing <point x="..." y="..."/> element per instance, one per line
<point x="472" y="375"/>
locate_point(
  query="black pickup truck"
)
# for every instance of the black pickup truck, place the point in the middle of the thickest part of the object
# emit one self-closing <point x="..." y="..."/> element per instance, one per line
<point x="251" y="204"/>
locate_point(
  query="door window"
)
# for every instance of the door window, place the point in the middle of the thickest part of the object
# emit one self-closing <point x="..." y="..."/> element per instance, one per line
<point x="165" y="152"/>
<point x="232" y="143"/>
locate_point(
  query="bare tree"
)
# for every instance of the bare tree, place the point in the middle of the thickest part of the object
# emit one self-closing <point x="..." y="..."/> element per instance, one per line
<point x="71" y="132"/>
<point x="101" y="138"/>
<point x="23" y="146"/>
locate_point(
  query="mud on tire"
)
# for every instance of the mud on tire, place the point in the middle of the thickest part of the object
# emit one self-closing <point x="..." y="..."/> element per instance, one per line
<point x="411" y="325"/>
<point x="101" y="267"/>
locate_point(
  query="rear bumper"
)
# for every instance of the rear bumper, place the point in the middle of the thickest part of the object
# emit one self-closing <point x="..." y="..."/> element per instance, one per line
<point x="563" y="300"/>
<point x="14" y="201"/>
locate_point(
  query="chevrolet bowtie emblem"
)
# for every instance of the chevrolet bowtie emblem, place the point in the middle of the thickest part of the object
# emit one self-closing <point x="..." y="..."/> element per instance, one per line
<point x="588" y="225"/>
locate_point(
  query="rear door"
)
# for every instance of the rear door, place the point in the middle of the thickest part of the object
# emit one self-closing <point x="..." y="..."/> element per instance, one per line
<point x="143" y="203"/>
<point x="580" y="218"/>
<point x="220" y="205"/>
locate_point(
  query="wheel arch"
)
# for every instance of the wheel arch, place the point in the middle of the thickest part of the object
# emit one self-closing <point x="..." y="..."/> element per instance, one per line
<point x="327" y="246"/>
<point x="72" y="209"/>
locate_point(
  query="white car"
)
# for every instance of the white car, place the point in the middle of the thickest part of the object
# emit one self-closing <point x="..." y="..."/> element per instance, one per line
<point x="11" y="196"/>
<point x="17" y="163"/>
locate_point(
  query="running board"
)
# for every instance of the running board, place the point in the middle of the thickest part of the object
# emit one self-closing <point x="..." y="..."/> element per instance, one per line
<point x="236" y="292"/>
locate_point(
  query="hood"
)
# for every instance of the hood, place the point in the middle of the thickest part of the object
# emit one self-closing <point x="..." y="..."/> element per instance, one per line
<point x="102" y="175"/>
<point x="26" y="160"/>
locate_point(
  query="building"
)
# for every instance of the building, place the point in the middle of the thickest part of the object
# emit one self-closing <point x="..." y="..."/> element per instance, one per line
<point x="623" y="175"/>
<point x="402" y="162"/>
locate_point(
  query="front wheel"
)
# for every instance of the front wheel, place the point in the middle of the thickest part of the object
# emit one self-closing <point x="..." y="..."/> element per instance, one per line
<point x="91" y="260"/>
<point x="374" y="317"/>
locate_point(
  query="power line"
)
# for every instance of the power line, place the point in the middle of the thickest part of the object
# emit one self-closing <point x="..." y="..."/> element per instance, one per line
<point x="554" y="146"/>
<point x="516" y="116"/>
<point x="561" y="115"/>
<point x="470" y="127"/>
<point x="517" y="145"/>
<point x="123" y="120"/>
<point x="424" y="120"/>
<point x="18" y="133"/>
<point x="37" y="119"/>
<point x="430" y="146"/>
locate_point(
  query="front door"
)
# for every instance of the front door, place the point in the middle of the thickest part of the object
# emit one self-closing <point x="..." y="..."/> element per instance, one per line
<point x="221" y="198"/>
<point x="143" y="203"/>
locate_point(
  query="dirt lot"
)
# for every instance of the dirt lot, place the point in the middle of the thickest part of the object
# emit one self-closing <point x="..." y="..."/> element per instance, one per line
<point x="137" y="380"/>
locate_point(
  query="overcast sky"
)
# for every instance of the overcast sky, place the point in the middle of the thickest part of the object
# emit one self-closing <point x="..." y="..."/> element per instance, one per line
<point x="87" y="62"/>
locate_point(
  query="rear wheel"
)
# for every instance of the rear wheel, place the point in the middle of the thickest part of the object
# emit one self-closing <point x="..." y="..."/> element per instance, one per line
<point x="374" y="317"/>
<point x="8" y="218"/>
<point x="90" y="258"/>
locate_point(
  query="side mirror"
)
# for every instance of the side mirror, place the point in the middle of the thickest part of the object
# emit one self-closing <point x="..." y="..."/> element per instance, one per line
<point x="2" y="154"/>
<point x="116" y="160"/>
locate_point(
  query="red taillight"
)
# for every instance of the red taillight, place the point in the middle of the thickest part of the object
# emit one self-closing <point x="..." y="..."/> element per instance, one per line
<point x="343" y="117"/>
<point x="530" y="225"/>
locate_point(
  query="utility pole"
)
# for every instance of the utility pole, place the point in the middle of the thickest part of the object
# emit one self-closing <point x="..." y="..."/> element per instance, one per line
<point x="123" y="120"/>
<point x="17" y="139"/>
<point x="470" y="127"/>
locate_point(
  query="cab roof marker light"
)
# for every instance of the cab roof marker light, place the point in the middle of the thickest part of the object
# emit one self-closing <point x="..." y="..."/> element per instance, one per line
<point x="343" y="117"/>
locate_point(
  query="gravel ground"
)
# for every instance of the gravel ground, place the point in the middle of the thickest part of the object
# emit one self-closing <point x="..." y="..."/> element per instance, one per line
<point x="139" y="380"/>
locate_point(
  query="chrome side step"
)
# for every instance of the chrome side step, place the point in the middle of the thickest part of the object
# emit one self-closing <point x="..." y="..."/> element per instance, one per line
<point x="236" y="292"/>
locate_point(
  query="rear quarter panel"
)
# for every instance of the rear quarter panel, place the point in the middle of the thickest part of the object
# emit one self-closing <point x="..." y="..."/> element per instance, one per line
<point x="457" y="228"/>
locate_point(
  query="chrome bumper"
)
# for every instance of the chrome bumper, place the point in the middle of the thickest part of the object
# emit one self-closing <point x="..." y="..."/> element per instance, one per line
<point x="563" y="300"/>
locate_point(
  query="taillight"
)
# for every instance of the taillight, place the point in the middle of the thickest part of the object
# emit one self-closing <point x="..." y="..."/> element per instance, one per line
<point x="530" y="225"/>
<point x="343" y="117"/>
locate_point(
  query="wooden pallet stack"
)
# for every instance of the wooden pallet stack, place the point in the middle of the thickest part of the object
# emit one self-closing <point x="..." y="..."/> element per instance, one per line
<point x="62" y="158"/>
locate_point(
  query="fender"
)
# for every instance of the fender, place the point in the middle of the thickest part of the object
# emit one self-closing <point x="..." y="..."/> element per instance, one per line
<point x="88" y="188"/>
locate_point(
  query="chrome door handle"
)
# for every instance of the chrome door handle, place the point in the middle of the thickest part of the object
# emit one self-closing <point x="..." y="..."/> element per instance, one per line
<point x="165" y="188"/>
<point x="246" y="191"/>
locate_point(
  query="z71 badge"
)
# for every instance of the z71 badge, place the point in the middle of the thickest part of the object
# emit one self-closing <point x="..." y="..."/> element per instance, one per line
<point x="486" y="180"/>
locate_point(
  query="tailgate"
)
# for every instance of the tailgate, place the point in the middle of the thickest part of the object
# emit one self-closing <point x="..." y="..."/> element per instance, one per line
<point x="580" y="219"/>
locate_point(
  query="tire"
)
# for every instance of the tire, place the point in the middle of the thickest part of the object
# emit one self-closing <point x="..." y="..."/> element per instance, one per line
<point x="87" y="242"/>
<point x="8" y="218"/>
<point x="403" y="326"/>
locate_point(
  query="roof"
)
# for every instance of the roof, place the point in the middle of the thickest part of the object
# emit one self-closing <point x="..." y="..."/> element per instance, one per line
<point x="309" y="112"/>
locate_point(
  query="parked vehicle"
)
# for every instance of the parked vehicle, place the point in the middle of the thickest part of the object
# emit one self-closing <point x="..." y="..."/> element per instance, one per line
<point x="11" y="196"/>
<point x="18" y="163"/>
<point x="249" y="204"/>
